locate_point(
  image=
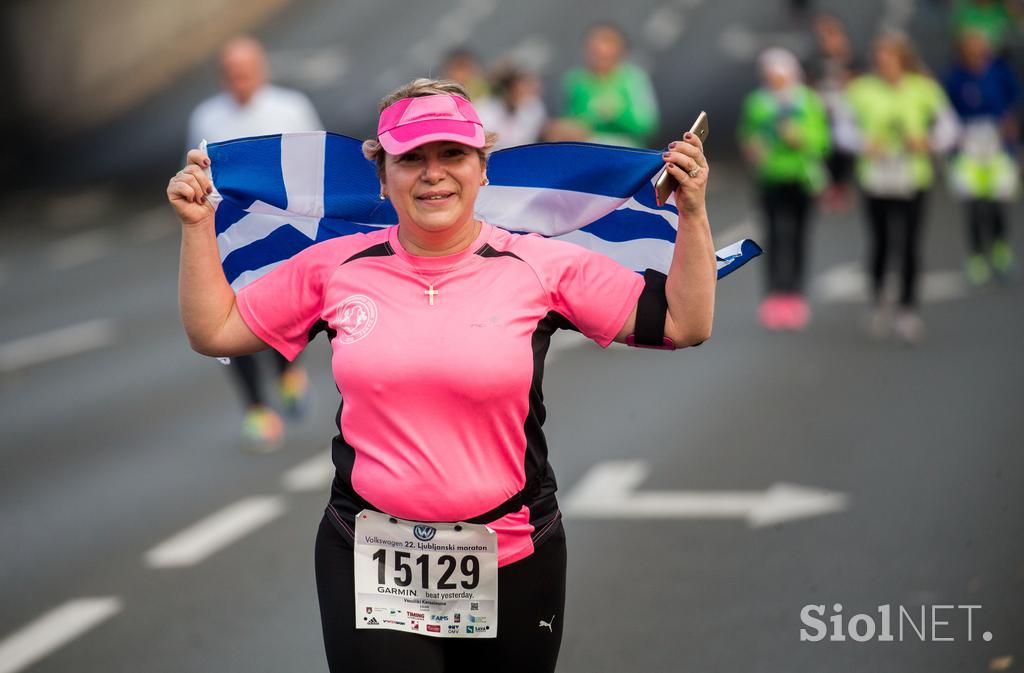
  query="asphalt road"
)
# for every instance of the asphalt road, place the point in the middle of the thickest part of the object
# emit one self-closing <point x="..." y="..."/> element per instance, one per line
<point x="116" y="438"/>
<point x="109" y="452"/>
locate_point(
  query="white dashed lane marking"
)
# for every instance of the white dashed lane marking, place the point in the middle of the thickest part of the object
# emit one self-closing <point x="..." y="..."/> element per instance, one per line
<point x="735" y="232"/>
<point x="314" y="474"/>
<point x="217" y="531"/>
<point x="79" y="249"/>
<point x="848" y="283"/>
<point x="53" y="630"/>
<point x="58" y="343"/>
<point x="743" y="44"/>
<point x="663" y="27"/>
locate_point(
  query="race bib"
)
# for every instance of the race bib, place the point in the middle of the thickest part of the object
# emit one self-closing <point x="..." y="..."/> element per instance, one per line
<point x="436" y="579"/>
<point x="981" y="141"/>
<point x="891" y="175"/>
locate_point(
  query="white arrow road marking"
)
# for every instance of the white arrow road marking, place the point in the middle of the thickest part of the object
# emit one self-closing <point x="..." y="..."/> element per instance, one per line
<point x="205" y="538"/>
<point x="52" y="630"/>
<point x="314" y="474"/>
<point x="849" y="283"/>
<point x="59" y="343"/>
<point x="608" y="491"/>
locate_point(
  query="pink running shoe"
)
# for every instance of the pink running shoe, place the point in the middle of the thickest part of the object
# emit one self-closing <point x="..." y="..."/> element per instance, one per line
<point x="798" y="312"/>
<point x="772" y="312"/>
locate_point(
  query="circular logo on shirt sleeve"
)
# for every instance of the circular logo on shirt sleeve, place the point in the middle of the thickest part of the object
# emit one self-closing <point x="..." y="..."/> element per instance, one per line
<point x="355" y="319"/>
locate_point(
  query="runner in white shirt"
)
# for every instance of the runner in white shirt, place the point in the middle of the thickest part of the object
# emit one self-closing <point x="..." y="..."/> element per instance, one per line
<point x="514" y="111"/>
<point x="250" y="106"/>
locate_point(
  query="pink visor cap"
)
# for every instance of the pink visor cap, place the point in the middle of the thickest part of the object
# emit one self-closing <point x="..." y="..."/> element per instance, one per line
<point x="412" y="122"/>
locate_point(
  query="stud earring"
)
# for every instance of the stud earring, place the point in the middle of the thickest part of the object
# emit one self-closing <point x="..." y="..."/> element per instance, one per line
<point x="485" y="182"/>
<point x="382" y="197"/>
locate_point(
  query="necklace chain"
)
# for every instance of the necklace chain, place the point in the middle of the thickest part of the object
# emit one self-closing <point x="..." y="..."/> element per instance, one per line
<point x="430" y="291"/>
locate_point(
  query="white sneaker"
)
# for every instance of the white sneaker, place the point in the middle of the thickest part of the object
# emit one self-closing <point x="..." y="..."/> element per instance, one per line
<point x="909" y="327"/>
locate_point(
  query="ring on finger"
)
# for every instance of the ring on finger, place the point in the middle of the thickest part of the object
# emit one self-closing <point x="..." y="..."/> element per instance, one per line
<point x="694" y="173"/>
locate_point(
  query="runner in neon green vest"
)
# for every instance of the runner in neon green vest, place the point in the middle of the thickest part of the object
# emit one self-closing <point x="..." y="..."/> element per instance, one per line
<point x="895" y="119"/>
<point x="784" y="134"/>
<point x="898" y="118"/>
<point x="984" y="172"/>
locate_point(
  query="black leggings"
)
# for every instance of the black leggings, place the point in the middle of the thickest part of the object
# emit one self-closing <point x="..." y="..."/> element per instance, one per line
<point x="529" y="591"/>
<point x="246" y="371"/>
<point x="895" y="222"/>
<point x="840" y="167"/>
<point x="986" y="224"/>
<point x="786" y="208"/>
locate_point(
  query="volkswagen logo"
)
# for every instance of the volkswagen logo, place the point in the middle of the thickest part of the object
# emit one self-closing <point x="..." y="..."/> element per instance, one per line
<point x="424" y="533"/>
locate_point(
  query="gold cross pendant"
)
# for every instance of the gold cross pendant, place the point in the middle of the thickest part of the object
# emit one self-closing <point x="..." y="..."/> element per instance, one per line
<point x="431" y="293"/>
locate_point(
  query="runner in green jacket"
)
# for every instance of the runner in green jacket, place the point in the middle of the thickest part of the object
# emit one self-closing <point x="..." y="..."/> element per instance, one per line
<point x="613" y="100"/>
<point x="784" y="134"/>
<point x="898" y="118"/>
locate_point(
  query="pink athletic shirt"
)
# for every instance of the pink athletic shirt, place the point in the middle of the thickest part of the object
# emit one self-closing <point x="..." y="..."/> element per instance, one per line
<point x="442" y="405"/>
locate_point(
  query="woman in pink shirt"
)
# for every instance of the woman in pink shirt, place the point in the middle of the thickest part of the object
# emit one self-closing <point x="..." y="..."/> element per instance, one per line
<point x="443" y="499"/>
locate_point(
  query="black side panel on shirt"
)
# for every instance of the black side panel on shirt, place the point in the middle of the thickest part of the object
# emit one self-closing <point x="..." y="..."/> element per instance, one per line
<point x="539" y="492"/>
<point x="321" y="326"/>
<point x="540" y="479"/>
<point x="344" y="499"/>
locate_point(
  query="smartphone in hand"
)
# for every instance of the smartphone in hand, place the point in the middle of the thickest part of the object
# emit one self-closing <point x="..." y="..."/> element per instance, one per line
<point x="666" y="184"/>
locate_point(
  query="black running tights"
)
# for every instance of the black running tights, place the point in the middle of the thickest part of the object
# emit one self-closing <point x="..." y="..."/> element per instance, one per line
<point x="986" y="224"/>
<point x="530" y="591"/>
<point x="246" y="371"/>
<point x="895" y="223"/>
<point x="786" y="208"/>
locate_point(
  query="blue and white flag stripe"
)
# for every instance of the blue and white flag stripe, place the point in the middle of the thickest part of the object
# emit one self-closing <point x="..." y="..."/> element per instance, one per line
<point x="280" y="194"/>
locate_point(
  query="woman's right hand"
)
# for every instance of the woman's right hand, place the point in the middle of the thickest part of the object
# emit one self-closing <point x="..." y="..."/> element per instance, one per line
<point x="188" y="190"/>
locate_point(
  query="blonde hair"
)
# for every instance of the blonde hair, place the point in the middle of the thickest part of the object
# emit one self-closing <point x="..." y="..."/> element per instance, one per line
<point x="372" y="149"/>
<point x="900" y="43"/>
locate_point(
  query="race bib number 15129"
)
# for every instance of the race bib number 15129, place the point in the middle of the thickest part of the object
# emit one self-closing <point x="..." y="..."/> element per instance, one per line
<point x="436" y="579"/>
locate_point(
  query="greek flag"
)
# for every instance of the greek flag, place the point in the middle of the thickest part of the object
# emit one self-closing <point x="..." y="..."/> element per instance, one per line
<point x="282" y="193"/>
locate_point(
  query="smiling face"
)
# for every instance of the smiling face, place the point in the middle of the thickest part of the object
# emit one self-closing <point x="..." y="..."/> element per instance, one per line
<point x="434" y="186"/>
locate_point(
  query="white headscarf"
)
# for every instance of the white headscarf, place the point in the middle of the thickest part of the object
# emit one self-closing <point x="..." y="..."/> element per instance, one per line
<point x="783" y="62"/>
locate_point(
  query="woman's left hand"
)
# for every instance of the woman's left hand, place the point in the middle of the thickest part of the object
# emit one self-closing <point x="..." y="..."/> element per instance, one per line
<point x="686" y="163"/>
